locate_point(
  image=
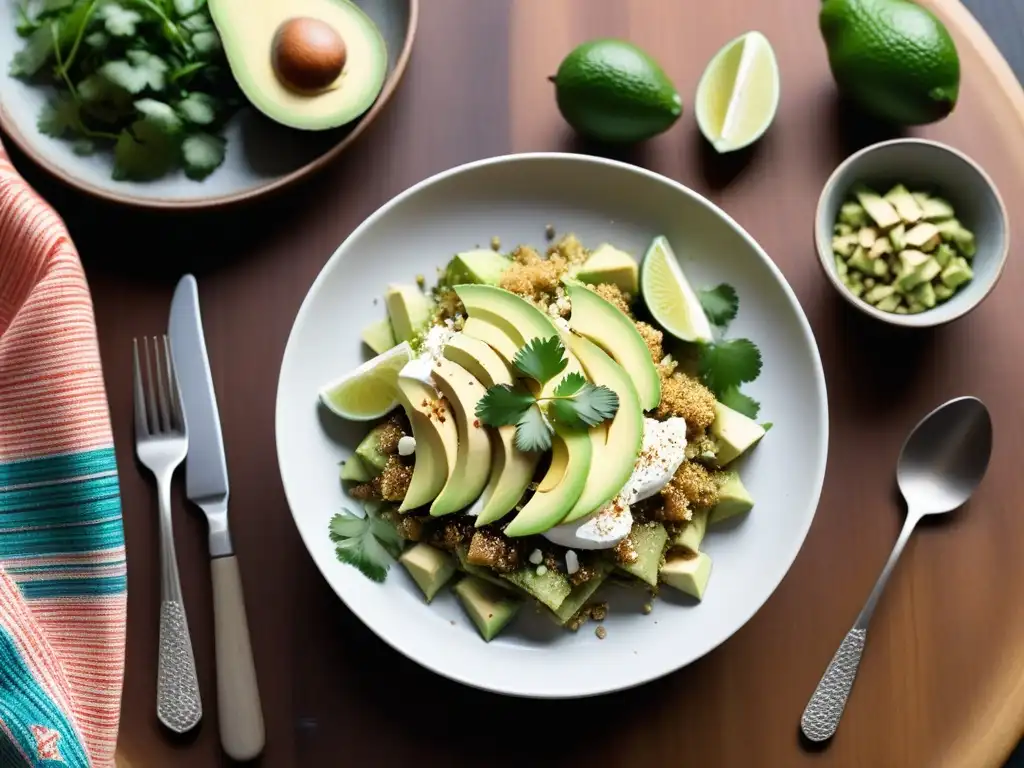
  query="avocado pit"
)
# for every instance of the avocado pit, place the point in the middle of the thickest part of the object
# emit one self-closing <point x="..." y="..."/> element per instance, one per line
<point x="307" y="54"/>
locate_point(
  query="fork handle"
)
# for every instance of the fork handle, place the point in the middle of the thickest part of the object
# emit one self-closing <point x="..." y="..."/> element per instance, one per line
<point x="238" y="696"/>
<point x="178" y="703"/>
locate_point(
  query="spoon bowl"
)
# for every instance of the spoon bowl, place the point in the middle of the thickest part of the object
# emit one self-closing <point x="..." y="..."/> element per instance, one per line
<point x="945" y="457"/>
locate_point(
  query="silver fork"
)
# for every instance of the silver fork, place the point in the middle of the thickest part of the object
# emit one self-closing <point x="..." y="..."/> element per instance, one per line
<point x="161" y="442"/>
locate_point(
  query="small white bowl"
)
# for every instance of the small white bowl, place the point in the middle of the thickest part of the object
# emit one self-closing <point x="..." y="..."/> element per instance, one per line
<point x="929" y="165"/>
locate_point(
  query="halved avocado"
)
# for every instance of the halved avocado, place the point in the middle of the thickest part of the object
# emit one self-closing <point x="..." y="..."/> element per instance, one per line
<point x="615" y="456"/>
<point x="468" y="476"/>
<point x="605" y="325"/>
<point x="436" y="443"/>
<point x="511" y="469"/>
<point x="263" y="44"/>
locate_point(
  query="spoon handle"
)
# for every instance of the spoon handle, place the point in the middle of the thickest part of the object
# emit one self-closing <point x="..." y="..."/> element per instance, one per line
<point x="821" y="716"/>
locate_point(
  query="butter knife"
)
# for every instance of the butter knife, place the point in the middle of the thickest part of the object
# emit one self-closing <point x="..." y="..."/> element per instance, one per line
<point x="206" y="481"/>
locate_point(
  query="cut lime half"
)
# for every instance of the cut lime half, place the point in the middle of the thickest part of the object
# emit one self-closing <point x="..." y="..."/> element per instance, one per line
<point x="738" y="93"/>
<point x="669" y="296"/>
<point x="369" y="391"/>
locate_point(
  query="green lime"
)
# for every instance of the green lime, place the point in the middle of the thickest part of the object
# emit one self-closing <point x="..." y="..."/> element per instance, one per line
<point x="739" y="93"/>
<point x="370" y="390"/>
<point x="611" y="91"/>
<point x="892" y="57"/>
<point x="668" y="294"/>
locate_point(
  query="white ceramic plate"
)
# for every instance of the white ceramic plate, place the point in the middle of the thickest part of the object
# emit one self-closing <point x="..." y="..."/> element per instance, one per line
<point x="261" y="155"/>
<point x="514" y="198"/>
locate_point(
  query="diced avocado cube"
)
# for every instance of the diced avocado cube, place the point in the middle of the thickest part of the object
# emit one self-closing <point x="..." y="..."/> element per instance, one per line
<point x="929" y="271"/>
<point x="947" y="229"/>
<point x="354" y="470"/>
<point x="607" y="264"/>
<point x="944" y="254"/>
<point x="900" y="310"/>
<point x="853" y="215"/>
<point x="910" y="264"/>
<point x="880" y="268"/>
<point x="844" y="244"/>
<point x="878" y="208"/>
<point x="409" y="309"/>
<point x="878" y="293"/>
<point x="841" y="268"/>
<point x="482" y="266"/>
<point x="379" y="336"/>
<point x="582" y="592"/>
<point x="942" y="291"/>
<point x="648" y="540"/>
<point x="369" y="451"/>
<point x="889" y="303"/>
<point x="915" y="307"/>
<point x="964" y="240"/>
<point x="880" y="247"/>
<point x="936" y="209"/>
<point x="956" y="274"/>
<point x="490" y="608"/>
<point x="733" y="498"/>
<point x="925" y="294"/>
<point x="906" y="206"/>
<point x="687" y="573"/>
<point x="843" y="229"/>
<point x="856" y="289"/>
<point x="860" y="261"/>
<point x="923" y="237"/>
<point x="896" y="237"/>
<point x="549" y="588"/>
<point x="869" y="283"/>
<point x="429" y="567"/>
<point x="690" y="536"/>
<point x="867" y="236"/>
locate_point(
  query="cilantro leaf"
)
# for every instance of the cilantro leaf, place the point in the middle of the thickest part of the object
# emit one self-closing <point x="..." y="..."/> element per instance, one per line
<point x="206" y="41"/>
<point x="720" y="304"/>
<point x="187" y="7"/>
<point x="160" y="114"/>
<point x="197" y="23"/>
<point x="118" y="20"/>
<point x="202" y="154"/>
<point x="586" y="408"/>
<point x="198" y="108"/>
<point x="733" y="398"/>
<point x="37" y="51"/>
<point x="502" y="405"/>
<point x="533" y="430"/>
<point x="143" y="152"/>
<point x="542" y="359"/>
<point x="571" y="384"/>
<point x="725" y="364"/>
<point x="98" y="39"/>
<point x="142" y="70"/>
<point x="767" y="425"/>
<point x="368" y="543"/>
<point x="59" y="117"/>
<point x="83" y="147"/>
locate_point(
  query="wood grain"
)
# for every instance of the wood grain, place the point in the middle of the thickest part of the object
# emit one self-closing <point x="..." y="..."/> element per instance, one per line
<point x="942" y="681"/>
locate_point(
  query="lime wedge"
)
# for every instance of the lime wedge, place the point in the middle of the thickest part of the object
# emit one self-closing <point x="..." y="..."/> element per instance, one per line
<point x="669" y="296"/>
<point x="369" y="391"/>
<point x="738" y="93"/>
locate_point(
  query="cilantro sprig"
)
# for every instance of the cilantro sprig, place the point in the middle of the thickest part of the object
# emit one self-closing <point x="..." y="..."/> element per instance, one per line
<point x="574" y="403"/>
<point x="726" y="364"/>
<point x="146" y="79"/>
<point x="368" y="543"/>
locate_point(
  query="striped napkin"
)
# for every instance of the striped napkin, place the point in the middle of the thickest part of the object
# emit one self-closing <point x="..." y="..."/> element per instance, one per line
<point x="62" y="560"/>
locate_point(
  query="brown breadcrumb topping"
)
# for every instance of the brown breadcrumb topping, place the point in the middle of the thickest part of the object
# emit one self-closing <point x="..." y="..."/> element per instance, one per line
<point x="452" y="534"/>
<point x="492" y="550"/>
<point x="653" y="339"/>
<point x="613" y="295"/>
<point x="391" y="432"/>
<point x="601" y="633"/>
<point x="595" y="611"/>
<point x="495" y="243"/>
<point x="393" y="481"/>
<point x="625" y="552"/>
<point x="366" y="491"/>
<point x="531" y="276"/>
<point x="449" y="307"/>
<point x="409" y="527"/>
<point x="436" y="409"/>
<point x="691" y="486"/>
<point x="683" y="395"/>
<point x="583" y="574"/>
<point x="570" y="249"/>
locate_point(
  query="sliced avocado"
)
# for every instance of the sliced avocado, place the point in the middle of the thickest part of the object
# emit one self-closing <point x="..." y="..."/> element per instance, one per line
<point x="354" y="470"/>
<point x="867" y="237"/>
<point x="409" y="309"/>
<point x="429" y="567"/>
<point x="734" y="432"/>
<point x="549" y="588"/>
<point x="436" y="442"/>
<point x="956" y="274"/>
<point x="879" y="209"/>
<point x="964" y="240"/>
<point x="853" y="215"/>
<point x="691" y="535"/>
<point x="482" y="265"/>
<point x="467" y="478"/>
<point x="906" y="206"/>
<point x="379" y="337"/>
<point x="266" y="51"/>
<point x="582" y="592"/>
<point x="648" y="541"/>
<point x="494" y="337"/>
<point x="925" y="294"/>
<point x="604" y="324"/>
<point x="490" y="608"/>
<point x="687" y="573"/>
<point x="936" y="209"/>
<point x="733" y="498"/>
<point x="948" y="228"/>
<point x="880" y="247"/>
<point x="924" y="237"/>
<point x="607" y="264"/>
<point x="615" y="455"/>
<point x="369" y="451"/>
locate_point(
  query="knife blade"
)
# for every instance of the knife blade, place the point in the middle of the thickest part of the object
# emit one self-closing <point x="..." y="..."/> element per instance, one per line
<point x="240" y="713"/>
<point x="206" y="473"/>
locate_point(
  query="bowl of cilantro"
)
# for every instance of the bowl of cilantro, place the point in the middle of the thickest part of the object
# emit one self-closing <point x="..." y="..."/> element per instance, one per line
<point x="557" y="257"/>
<point x="134" y="102"/>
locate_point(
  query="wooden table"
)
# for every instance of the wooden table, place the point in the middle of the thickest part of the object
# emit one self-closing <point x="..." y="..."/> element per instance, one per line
<point x="942" y="682"/>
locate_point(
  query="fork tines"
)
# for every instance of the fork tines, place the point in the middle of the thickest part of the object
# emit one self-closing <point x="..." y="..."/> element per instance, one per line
<point x="157" y="405"/>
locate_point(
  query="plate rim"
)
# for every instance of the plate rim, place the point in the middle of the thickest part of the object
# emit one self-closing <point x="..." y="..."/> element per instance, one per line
<point x="234" y="198"/>
<point x="821" y="462"/>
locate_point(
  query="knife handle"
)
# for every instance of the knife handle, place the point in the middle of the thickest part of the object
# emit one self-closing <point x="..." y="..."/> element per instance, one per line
<point x="238" y="696"/>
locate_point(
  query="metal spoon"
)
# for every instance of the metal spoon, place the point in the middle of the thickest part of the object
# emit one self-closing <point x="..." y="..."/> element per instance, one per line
<point x="941" y="464"/>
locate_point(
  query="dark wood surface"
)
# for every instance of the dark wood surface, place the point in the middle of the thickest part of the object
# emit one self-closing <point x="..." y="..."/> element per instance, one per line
<point x="945" y="664"/>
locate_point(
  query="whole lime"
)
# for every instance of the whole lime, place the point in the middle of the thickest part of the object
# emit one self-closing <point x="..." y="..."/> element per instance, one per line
<point x="612" y="91"/>
<point x="893" y="57"/>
